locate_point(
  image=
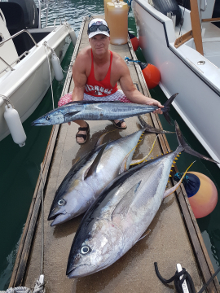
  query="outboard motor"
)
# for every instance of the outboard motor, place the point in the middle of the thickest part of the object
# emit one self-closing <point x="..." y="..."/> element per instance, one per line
<point x="168" y="6"/>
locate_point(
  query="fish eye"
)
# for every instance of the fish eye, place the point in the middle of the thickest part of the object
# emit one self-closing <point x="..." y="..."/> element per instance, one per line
<point x="85" y="249"/>
<point x="61" y="202"/>
<point x="48" y="118"/>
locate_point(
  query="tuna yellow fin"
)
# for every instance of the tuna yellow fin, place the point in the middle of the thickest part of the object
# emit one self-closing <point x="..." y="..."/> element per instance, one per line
<point x="174" y="188"/>
<point x="136" y="162"/>
<point x="124" y="166"/>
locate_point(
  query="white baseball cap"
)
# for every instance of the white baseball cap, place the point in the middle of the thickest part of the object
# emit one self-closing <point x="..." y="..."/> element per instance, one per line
<point x="98" y="26"/>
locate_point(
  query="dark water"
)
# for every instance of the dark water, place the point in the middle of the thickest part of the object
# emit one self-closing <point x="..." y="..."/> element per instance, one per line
<point x="20" y="166"/>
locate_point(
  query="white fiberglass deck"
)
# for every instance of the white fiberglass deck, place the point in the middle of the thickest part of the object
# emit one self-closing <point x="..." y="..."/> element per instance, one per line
<point x="211" y="43"/>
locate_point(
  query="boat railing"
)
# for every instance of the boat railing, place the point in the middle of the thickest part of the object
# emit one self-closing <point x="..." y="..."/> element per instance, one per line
<point x="42" y="10"/>
<point x="22" y="55"/>
<point x="13" y="63"/>
<point x="44" y="7"/>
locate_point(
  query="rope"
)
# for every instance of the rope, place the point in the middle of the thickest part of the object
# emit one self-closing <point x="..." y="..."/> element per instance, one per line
<point x="131" y="60"/>
<point x="209" y="281"/>
<point x="17" y="290"/>
<point x="8" y="102"/>
<point x="46" y="46"/>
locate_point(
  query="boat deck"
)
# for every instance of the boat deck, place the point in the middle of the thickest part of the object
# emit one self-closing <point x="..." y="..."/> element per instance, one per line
<point x="211" y="43"/>
<point x="173" y="236"/>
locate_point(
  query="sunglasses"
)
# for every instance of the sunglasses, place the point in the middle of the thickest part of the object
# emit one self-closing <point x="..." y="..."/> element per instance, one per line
<point x="101" y="27"/>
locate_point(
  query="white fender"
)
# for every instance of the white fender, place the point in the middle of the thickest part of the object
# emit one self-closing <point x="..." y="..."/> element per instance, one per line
<point x="58" y="73"/>
<point x="73" y="37"/>
<point x="15" y="126"/>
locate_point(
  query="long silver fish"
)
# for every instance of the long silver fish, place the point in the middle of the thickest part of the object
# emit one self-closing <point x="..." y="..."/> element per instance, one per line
<point x="91" y="110"/>
<point x="90" y="175"/>
<point x="121" y="214"/>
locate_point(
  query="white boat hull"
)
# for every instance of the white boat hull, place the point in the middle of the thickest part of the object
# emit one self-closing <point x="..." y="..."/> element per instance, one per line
<point x="27" y="84"/>
<point x="198" y="101"/>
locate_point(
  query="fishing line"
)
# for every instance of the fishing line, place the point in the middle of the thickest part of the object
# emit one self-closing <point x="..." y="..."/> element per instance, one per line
<point x="51" y="87"/>
<point x="209" y="281"/>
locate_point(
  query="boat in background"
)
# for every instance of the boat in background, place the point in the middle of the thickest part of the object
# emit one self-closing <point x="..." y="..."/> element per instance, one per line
<point x="30" y="57"/>
<point x="186" y="50"/>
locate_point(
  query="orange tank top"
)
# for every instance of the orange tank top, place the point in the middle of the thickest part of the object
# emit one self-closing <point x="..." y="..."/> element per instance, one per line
<point x="101" y="88"/>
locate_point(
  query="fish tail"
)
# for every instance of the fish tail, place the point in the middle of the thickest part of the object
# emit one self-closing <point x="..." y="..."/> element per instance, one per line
<point x="183" y="146"/>
<point x="150" y="129"/>
<point x="166" y="108"/>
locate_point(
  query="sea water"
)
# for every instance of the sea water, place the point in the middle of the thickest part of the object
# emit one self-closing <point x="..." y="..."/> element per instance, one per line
<point x="20" y="167"/>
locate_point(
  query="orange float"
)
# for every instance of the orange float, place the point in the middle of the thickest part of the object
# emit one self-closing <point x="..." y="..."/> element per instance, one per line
<point x="201" y="191"/>
<point x="151" y="74"/>
<point x="134" y="41"/>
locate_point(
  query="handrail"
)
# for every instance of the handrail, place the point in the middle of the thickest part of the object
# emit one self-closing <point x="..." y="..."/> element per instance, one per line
<point x="19" y="33"/>
<point x="14" y="62"/>
<point x="211" y="19"/>
<point x="183" y="39"/>
<point x="6" y="64"/>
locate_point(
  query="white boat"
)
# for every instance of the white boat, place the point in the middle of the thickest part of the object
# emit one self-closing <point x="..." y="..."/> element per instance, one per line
<point x="187" y="54"/>
<point x="26" y="53"/>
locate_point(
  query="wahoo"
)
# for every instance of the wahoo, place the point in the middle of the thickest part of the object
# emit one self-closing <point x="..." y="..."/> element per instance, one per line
<point x="122" y="213"/>
<point x="90" y="175"/>
<point x="91" y="110"/>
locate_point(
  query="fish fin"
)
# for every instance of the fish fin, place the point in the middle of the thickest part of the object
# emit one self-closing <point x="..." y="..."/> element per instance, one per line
<point x="136" y="162"/>
<point x="143" y="236"/>
<point x="101" y="138"/>
<point x="92" y="169"/>
<point x="150" y="129"/>
<point x="166" y="108"/>
<point x="124" y="167"/>
<point x="70" y="115"/>
<point x="187" y="148"/>
<point x="174" y="188"/>
<point x="124" y="204"/>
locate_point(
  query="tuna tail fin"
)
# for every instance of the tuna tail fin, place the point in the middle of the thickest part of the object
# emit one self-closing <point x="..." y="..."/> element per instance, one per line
<point x="166" y="108"/>
<point x="150" y="129"/>
<point x="185" y="147"/>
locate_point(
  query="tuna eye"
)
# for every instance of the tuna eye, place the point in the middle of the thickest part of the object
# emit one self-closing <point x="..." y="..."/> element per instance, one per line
<point x="48" y="118"/>
<point x="61" y="202"/>
<point x="85" y="249"/>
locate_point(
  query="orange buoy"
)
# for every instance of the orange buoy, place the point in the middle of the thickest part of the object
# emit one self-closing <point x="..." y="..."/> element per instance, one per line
<point x="151" y="74"/>
<point x="134" y="41"/>
<point x="201" y="191"/>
